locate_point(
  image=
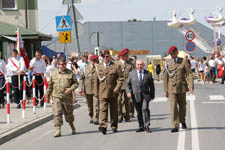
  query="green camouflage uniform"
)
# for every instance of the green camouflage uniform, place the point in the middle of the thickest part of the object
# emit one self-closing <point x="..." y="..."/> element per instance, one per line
<point x="62" y="103"/>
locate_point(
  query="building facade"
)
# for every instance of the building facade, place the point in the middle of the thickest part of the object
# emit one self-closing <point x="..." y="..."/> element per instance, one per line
<point x="22" y="12"/>
<point x="154" y="36"/>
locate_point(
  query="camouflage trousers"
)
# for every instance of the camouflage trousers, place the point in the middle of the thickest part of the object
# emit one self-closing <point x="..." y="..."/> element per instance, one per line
<point x="60" y="107"/>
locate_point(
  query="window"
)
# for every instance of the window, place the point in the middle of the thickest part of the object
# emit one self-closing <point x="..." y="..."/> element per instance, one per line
<point x="9" y="4"/>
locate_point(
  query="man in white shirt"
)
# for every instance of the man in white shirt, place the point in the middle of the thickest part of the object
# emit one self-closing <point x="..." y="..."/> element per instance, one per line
<point x="193" y="65"/>
<point x="50" y="69"/>
<point x="69" y="63"/>
<point x="2" y="80"/>
<point x="212" y="71"/>
<point x="38" y="67"/>
<point x="82" y="63"/>
<point x="16" y="67"/>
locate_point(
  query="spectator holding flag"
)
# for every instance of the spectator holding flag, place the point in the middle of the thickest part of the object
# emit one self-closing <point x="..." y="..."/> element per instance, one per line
<point x="17" y="68"/>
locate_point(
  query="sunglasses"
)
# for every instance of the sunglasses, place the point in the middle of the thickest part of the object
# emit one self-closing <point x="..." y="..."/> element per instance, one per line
<point x="106" y="56"/>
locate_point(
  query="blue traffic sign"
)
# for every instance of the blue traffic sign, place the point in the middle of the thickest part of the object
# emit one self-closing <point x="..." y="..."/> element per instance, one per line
<point x="63" y="23"/>
<point x="190" y="46"/>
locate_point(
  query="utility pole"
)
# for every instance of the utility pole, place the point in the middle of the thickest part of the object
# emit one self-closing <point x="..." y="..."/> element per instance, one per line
<point x="26" y="17"/>
<point x="98" y="42"/>
<point x="76" y="29"/>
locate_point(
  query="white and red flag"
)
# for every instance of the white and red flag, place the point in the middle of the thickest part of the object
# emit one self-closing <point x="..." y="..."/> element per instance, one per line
<point x="20" y="47"/>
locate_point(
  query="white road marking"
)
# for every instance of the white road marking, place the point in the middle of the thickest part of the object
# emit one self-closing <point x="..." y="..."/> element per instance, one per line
<point x="181" y="136"/>
<point x="181" y="140"/>
<point x="194" y="131"/>
<point x="216" y="97"/>
<point x="160" y="99"/>
<point x="213" y="102"/>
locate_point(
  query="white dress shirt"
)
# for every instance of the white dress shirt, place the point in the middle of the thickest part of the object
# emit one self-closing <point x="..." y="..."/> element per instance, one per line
<point x="49" y="71"/>
<point x="3" y="67"/>
<point x="106" y="65"/>
<point x="122" y="61"/>
<point x="38" y="66"/>
<point x="69" y="65"/>
<point x="12" y="69"/>
<point x="212" y="63"/>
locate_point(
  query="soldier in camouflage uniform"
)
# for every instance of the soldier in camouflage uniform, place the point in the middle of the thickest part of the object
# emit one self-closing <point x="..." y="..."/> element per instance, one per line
<point x="123" y="101"/>
<point x="61" y="85"/>
<point x="86" y="85"/>
<point x="108" y="81"/>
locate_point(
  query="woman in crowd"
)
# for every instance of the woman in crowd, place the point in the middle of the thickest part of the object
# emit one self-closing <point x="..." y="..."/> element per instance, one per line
<point x="201" y="68"/>
<point x="151" y="68"/>
<point x="158" y="70"/>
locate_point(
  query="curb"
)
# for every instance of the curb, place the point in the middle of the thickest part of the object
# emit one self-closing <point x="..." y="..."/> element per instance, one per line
<point x="19" y="130"/>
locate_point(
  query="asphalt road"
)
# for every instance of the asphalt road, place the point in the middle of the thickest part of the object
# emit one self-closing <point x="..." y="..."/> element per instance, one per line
<point x="205" y="120"/>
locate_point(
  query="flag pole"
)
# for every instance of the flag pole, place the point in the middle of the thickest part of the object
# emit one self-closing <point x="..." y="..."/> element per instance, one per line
<point x="18" y="49"/>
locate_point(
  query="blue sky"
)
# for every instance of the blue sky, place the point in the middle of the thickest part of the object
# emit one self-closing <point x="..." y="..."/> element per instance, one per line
<point x="123" y="10"/>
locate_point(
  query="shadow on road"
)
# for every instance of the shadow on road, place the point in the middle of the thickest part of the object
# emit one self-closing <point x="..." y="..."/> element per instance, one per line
<point x="159" y="118"/>
<point x="206" y="128"/>
<point x="160" y="115"/>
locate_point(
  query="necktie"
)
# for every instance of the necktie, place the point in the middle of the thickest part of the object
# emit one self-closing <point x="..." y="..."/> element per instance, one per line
<point x="175" y="61"/>
<point x="140" y="77"/>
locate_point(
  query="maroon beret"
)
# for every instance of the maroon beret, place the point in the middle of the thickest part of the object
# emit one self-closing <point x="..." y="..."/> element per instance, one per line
<point x="126" y="49"/>
<point x="105" y="52"/>
<point x="172" y="49"/>
<point x="124" y="52"/>
<point x="93" y="57"/>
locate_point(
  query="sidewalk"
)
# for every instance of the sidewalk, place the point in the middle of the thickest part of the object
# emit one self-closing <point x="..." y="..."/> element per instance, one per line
<point x="20" y="126"/>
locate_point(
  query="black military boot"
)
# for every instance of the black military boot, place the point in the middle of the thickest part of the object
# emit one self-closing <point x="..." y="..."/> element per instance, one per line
<point x="174" y="130"/>
<point x="103" y="130"/>
<point x="184" y="126"/>
<point x="114" y="130"/>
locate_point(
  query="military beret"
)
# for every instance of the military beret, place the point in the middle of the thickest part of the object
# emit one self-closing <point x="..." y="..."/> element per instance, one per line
<point x="172" y="49"/>
<point x="93" y="57"/>
<point x="105" y="52"/>
<point x="124" y="52"/>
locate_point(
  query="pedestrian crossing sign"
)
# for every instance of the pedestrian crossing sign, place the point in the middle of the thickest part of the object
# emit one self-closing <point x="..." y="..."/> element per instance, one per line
<point x="63" y="23"/>
<point x="65" y="37"/>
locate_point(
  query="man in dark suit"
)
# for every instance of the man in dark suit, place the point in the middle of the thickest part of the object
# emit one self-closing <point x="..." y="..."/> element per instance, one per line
<point x="140" y="88"/>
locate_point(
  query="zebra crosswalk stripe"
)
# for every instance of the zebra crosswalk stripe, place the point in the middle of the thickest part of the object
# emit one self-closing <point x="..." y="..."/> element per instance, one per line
<point x="160" y="99"/>
<point x="216" y="97"/>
